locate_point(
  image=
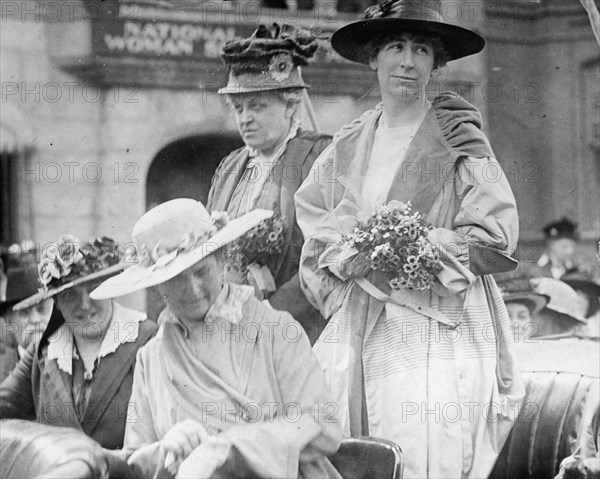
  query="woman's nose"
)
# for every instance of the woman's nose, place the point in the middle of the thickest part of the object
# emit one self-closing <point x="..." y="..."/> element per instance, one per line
<point x="407" y="59"/>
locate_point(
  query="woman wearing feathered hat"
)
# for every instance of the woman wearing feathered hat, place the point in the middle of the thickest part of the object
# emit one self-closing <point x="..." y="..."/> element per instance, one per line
<point x="80" y="373"/>
<point x="229" y="387"/>
<point x="265" y="90"/>
<point x="399" y="360"/>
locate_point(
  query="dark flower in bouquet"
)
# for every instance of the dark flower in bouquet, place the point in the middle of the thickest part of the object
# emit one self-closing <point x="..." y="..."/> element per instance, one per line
<point x="263" y="244"/>
<point x="395" y="239"/>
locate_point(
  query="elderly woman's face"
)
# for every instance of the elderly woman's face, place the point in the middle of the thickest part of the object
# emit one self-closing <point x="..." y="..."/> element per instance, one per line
<point x="263" y="119"/>
<point x="192" y="292"/>
<point x="86" y="317"/>
<point x="404" y="68"/>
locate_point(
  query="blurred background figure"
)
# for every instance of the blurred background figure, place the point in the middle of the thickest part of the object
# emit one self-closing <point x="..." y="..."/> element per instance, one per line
<point x="522" y="303"/>
<point x="560" y="256"/>
<point x="588" y="302"/>
<point x="19" y="329"/>
<point x="560" y="316"/>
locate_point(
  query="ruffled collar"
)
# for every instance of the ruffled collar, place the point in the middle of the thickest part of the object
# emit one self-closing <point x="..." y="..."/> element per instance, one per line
<point x="124" y="328"/>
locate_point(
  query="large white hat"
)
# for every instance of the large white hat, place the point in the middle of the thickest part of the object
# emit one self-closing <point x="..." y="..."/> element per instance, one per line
<point x="172" y="237"/>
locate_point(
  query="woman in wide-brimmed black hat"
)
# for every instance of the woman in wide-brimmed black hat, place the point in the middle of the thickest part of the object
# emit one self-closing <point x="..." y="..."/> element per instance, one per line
<point x="432" y="348"/>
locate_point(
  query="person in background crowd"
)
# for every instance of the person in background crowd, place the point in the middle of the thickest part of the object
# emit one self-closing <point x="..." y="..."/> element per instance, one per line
<point x="80" y="373"/>
<point x="588" y="301"/>
<point x="522" y="304"/>
<point x="24" y="327"/>
<point x="560" y="257"/>
<point x="213" y="391"/>
<point x="560" y="316"/>
<point x="388" y="348"/>
<point x="265" y="91"/>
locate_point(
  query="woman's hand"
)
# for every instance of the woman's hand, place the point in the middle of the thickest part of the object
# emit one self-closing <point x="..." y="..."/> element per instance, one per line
<point x="356" y="266"/>
<point x="205" y="459"/>
<point x="180" y="441"/>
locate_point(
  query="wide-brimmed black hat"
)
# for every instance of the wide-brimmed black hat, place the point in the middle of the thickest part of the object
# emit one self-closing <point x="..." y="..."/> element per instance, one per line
<point x="397" y="16"/>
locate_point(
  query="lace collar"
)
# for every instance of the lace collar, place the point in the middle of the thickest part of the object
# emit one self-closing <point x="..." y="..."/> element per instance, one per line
<point x="124" y="328"/>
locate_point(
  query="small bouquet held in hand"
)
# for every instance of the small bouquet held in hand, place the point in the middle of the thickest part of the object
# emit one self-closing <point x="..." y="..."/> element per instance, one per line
<point x="254" y="255"/>
<point x="395" y="239"/>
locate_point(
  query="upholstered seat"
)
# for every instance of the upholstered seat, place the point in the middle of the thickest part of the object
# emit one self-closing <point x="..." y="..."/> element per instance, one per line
<point x="560" y="390"/>
<point x="368" y="458"/>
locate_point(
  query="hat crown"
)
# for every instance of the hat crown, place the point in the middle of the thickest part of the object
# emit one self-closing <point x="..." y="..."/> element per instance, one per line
<point x="21" y="282"/>
<point x="408" y="10"/>
<point x="169" y="222"/>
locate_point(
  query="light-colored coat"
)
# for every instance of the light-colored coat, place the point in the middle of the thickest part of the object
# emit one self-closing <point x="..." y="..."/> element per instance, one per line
<point x="445" y="391"/>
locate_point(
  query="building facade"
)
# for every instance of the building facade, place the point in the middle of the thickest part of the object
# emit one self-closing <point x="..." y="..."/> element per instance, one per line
<point x="109" y="108"/>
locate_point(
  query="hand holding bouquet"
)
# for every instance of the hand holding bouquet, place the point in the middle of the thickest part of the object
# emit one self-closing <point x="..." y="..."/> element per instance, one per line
<point x="395" y="239"/>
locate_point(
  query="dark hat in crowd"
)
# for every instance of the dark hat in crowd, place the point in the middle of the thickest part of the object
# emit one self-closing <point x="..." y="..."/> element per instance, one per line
<point x="398" y="16"/>
<point x="68" y="263"/>
<point x="518" y="288"/>
<point x="588" y="287"/>
<point x="563" y="228"/>
<point x="21" y="283"/>
<point x="268" y="60"/>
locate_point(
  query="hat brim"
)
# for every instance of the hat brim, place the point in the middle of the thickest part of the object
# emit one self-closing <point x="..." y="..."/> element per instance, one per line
<point x="138" y="277"/>
<point x="239" y="90"/>
<point x="350" y="40"/>
<point x="44" y="295"/>
<point x="590" y="289"/>
<point x="538" y="300"/>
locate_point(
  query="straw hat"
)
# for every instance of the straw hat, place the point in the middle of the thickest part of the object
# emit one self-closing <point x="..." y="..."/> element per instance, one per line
<point x="591" y="289"/>
<point x="268" y="60"/>
<point x="562" y="297"/>
<point x="68" y="263"/>
<point x="172" y="237"/>
<point x="396" y="16"/>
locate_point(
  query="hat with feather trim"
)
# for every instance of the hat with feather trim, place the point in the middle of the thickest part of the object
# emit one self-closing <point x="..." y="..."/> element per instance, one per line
<point x="398" y="16"/>
<point x="268" y="60"/>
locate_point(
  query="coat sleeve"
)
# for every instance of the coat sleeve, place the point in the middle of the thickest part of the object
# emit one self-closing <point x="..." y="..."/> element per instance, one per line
<point x="141" y="445"/>
<point x="485" y="228"/>
<point x="16" y="395"/>
<point x="315" y="202"/>
<point x="306" y="428"/>
<point x="290" y="296"/>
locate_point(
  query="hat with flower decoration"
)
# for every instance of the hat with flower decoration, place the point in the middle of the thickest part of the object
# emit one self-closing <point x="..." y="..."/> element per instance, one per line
<point x="398" y="16"/>
<point x="67" y="263"/>
<point x="268" y="60"/>
<point x="171" y="238"/>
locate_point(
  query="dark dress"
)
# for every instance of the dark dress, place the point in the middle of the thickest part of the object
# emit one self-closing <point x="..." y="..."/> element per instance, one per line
<point x="278" y="194"/>
<point x="38" y="390"/>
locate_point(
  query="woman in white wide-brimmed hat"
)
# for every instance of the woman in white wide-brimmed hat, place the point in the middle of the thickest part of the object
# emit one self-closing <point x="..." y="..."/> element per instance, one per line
<point x="421" y="368"/>
<point x="214" y="391"/>
<point x="80" y="373"/>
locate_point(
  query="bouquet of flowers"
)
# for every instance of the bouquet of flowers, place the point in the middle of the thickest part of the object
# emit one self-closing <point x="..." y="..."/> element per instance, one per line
<point x="395" y="239"/>
<point x="255" y="253"/>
